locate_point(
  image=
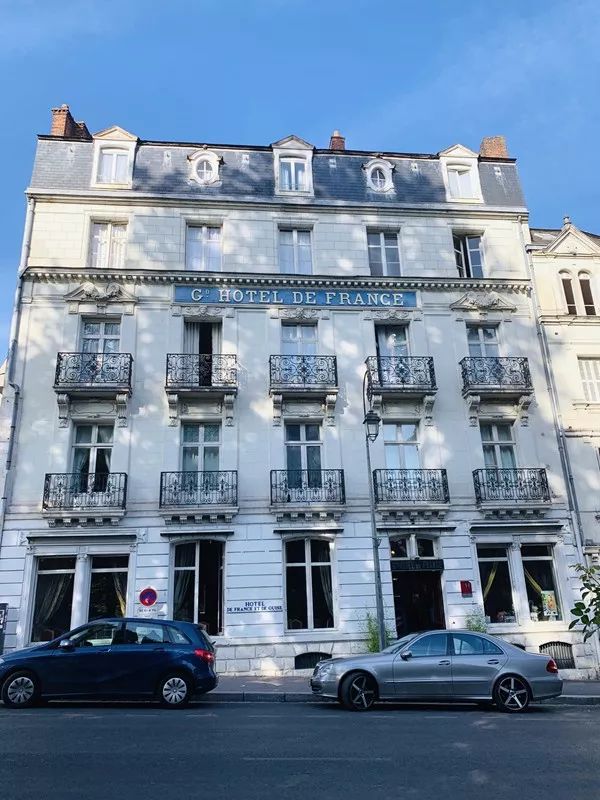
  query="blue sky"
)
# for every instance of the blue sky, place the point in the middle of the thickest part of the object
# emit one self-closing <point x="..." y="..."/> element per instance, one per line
<point x="390" y="74"/>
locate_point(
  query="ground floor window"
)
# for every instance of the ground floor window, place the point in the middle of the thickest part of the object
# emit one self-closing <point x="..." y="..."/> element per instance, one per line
<point x="198" y="584"/>
<point x="308" y="580"/>
<point x="540" y="582"/>
<point x="53" y="597"/>
<point x="108" y="586"/>
<point x="496" y="587"/>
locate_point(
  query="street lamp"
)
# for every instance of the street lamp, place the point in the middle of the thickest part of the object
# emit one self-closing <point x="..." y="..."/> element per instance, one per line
<point x="371" y="422"/>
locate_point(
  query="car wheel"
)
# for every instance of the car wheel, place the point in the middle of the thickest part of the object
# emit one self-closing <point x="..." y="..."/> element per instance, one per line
<point x="511" y="694"/>
<point x="175" y="691"/>
<point x="20" y="690"/>
<point x="358" y="691"/>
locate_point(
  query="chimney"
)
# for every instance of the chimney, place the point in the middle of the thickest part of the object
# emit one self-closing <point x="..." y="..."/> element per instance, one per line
<point x="493" y="147"/>
<point x="64" y="125"/>
<point x="337" y="141"/>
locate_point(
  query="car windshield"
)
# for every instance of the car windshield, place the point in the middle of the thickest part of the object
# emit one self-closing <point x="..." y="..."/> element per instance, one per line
<point x="399" y="643"/>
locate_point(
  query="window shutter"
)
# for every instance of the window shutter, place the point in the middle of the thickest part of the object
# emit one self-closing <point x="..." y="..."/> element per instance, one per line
<point x="99" y="244"/>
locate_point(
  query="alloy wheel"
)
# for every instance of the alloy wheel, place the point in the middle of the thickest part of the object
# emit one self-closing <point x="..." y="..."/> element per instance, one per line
<point x="513" y="693"/>
<point x="174" y="691"/>
<point x="21" y="690"/>
<point x="362" y="692"/>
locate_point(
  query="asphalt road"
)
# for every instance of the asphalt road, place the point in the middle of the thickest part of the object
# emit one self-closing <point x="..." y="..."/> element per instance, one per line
<point x="247" y="751"/>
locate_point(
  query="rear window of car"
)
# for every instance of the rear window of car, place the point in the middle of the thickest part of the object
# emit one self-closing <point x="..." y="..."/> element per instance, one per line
<point x="177" y="636"/>
<point x="208" y="645"/>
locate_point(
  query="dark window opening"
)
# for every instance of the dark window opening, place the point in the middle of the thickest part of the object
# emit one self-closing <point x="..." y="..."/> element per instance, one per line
<point x="309" y="660"/>
<point x="567" y="285"/>
<point x="561" y="652"/>
<point x="198" y="584"/>
<point x="468" y="255"/>
<point x="586" y="293"/>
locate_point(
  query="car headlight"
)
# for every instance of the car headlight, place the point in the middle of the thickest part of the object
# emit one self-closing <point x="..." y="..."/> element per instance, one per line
<point x="323" y="668"/>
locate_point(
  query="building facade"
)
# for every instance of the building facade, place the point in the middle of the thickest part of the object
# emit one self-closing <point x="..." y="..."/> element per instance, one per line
<point x="196" y="330"/>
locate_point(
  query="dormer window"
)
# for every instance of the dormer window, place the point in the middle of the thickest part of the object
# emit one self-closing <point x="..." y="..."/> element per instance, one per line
<point x="113" y="166"/>
<point x="460" y="181"/>
<point x="461" y="174"/>
<point x="292" y="175"/>
<point x="378" y="172"/>
<point x="205" y="167"/>
<point x="114" y="156"/>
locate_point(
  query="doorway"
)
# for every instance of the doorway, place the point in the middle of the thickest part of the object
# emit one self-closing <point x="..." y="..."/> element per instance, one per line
<point x="418" y="602"/>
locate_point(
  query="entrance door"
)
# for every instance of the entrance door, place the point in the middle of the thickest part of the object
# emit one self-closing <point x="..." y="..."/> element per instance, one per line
<point x="417" y="601"/>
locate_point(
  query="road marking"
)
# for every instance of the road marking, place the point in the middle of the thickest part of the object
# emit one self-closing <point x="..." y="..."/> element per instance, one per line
<point x="352" y="759"/>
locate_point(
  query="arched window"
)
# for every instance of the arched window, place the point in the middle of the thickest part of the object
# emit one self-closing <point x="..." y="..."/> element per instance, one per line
<point x="586" y="294"/>
<point x="567" y="285"/>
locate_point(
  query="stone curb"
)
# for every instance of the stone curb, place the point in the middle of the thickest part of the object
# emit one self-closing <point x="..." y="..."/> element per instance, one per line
<point x="303" y="697"/>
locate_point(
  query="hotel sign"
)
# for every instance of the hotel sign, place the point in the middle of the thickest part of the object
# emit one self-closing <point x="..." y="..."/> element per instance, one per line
<point x="233" y="295"/>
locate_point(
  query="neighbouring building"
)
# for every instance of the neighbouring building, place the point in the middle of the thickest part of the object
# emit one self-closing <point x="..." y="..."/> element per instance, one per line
<point x="192" y="336"/>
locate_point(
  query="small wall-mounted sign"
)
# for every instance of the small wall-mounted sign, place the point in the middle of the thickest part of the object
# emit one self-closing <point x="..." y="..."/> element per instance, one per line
<point x="148" y="596"/>
<point x="253" y="606"/>
<point x="466" y="588"/>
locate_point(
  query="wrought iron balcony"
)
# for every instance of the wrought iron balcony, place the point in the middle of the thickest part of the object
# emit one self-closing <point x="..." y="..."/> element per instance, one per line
<point x="81" y="492"/>
<point x="410" y="486"/>
<point x="197" y="489"/>
<point x="303" y="372"/>
<point x="193" y="371"/>
<point x="497" y="485"/>
<point x="100" y="371"/>
<point x="401" y="373"/>
<point x="504" y="374"/>
<point x="307" y="486"/>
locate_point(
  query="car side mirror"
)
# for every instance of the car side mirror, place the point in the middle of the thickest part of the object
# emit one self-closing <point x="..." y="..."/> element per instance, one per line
<point x="406" y="655"/>
<point x="65" y="644"/>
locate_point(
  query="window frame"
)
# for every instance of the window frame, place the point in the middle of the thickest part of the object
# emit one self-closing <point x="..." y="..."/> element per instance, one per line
<point x="387" y="170"/>
<point x="211" y="158"/>
<point x="588" y="305"/>
<point x="103" y="337"/>
<point x="590" y="385"/>
<point x="481" y="342"/>
<point x="295" y="248"/>
<point x="401" y="445"/>
<point x="201" y="445"/>
<point x="303" y="443"/>
<point x="36" y="572"/>
<point x="308" y="564"/>
<point x="112" y="246"/>
<point x="381" y="247"/>
<point x="514" y="593"/>
<point x="464" y="251"/>
<point x="496" y="443"/>
<point x="299" y="341"/>
<point x="204" y="242"/>
<point x="196" y="582"/>
<point x="104" y="570"/>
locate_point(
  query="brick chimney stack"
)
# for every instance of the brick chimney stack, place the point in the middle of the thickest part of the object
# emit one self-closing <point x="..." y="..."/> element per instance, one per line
<point x="337" y="141"/>
<point x="65" y="126"/>
<point x="493" y="147"/>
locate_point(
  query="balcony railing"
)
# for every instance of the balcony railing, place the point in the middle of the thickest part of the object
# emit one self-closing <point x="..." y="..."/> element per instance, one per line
<point x="498" y="485"/>
<point x="193" y="371"/>
<point x="303" y="372"/>
<point x="93" y="370"/>
<point x="496" y="373"/>
<point x="307" y="486"/>
<point x="411" y="486"/>
<point x="178" y="489"/>
<point x="76" y="491"/>
<point x="401" y="372"/>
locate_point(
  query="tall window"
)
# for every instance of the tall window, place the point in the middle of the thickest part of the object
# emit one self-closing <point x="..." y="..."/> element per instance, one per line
<point x="567" y="286"/>
<point x="108" y="244"/>
<point x="292" y="175"/>
<point x="298" y="340"/>
<point x="100" y="336"/>
<point x="468" y="254"/>
<point x="200" y="445"/>
<point x="401" y="445"/>
<point x="92" y="450"/>
<point x="203" y="248"/>
<point x="460" y="182"/>
<point x="482" y="341"/>
<point x="113" y="166"/>
<point x="384" y="253"/>
<point x="498" y="445"/>
<point x="53" y="597"/>
<point x="303" y="452"/>
<point x="308" y="583"/>
<point x="540" y="582"/>
<point x="295" y="252"/>
<point x="495" y="582"/>
<point x="108" y="586"/>
<point x="586" y="294"/>
<point x="589" y="369"/>
<point x="392" y="340"/>
<point x="198" y="584"/>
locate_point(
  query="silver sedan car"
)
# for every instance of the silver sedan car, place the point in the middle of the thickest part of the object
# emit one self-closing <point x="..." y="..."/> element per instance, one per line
<point x="440" y="666"/>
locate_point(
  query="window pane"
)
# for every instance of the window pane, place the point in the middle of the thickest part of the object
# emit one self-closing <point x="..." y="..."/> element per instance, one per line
<point x="292" y="433"/>
<point x="294" y="552"/>
<point x="491" y="551"/>
<point x="102" y="467"/>
<point x="83" y="434"/>
<point x="569" y="295"/>
<point x="425" y="548"/>
<point x="99" y="635"/>
<point x="191" y="433"/>
<point x="294" y="463"/>
<point x="398" y="548"/>
<point x="504" y="433"/>
<point x="586" y="293"/>
<point x="121" y="167"/>
<point x="507" y="458"/>
<point x="313" y="433"/>
<point x="211" y="459"/>
<point x="185" y="555"/>
<point x="319" y="550"/>
<point x="105" y="167"/>
<point x="108" y="594"/>
<point x="52" y="609"/>
<point x="465" y="645"/>
<point x="496" y="590"/>
<point x="541" y="590"/>
<point x="296" y="600"/>
<point x="313" y="462"/>
<point x="533" y="550"/>
<point x="408" y="432"/>
<point x="112" y="328"/>
<point x="211" y="433"/>
<point x="300" y="176"/>
<point x="433" y="645"/>
<point x="189" y="461"/>
<point x="285" y="175"/>
<point x="110" y="562"/>
<point x="145" y="633"/>
<point x="183" y="595"/>
<point x="53" y="562"/>
<point x="105" y="434"/>
<point x="322" y="597"/>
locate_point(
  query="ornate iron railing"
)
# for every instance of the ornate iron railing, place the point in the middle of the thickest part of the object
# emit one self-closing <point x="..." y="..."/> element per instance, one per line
<point x="411" y="486"/>
<point x="307" y="486"/>
<point x="303" y="371"/>
<point x="505" y="373"/>
<point x="496" y="485"/>
<point x="401" y="372"/>
<point x="84" y="491"/>
<point x="192" y="371"/>
<point x="218" y="487"/>
<point x="99" y="370"/>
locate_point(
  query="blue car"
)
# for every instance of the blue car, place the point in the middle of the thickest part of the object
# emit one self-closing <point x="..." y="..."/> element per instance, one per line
<point x="113" y="658"/>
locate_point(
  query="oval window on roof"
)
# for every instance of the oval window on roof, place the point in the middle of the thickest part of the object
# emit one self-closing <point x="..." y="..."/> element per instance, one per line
<point x="204" y="170"/>
<point x="378" y="178"/>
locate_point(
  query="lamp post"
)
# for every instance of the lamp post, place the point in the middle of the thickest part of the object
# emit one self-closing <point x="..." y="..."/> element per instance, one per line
<point x="371" y="422"/>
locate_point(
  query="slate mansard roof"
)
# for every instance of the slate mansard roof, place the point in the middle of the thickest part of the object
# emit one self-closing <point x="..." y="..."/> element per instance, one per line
<point x="247" y="173"/>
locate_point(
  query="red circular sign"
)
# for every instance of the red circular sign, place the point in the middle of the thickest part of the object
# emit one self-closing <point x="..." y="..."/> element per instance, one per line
<point x="148" y="596"/>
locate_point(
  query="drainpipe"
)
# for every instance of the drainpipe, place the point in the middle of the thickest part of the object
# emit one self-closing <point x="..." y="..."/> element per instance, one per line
<point x="565" y="459"/>
<point x="12" y="357"/>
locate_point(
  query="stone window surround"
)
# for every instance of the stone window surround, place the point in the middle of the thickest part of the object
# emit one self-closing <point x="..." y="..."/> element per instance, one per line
<point x="92" y="218"/>
<point x="306" y="155"/>
<point x="386" y="167"/>
<point x="462" y="162"/>
<point x="128" y="147"/>
<point x="215" y="162"/>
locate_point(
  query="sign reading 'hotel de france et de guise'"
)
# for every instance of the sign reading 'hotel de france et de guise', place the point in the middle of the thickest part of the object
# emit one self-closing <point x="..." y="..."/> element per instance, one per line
<point x="351" y="298"/>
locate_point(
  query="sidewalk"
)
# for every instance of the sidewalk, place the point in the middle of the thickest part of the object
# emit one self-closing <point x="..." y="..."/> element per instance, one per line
<point x="295" y="689"/>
